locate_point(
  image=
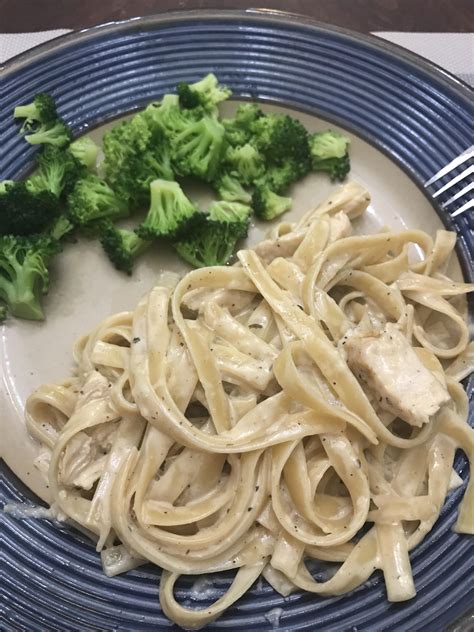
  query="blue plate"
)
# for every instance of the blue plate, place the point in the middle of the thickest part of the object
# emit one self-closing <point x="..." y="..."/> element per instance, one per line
<point x="416" y="113"/>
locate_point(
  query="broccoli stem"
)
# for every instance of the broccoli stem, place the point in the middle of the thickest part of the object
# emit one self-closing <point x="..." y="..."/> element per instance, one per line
<point x="29" y="111"/>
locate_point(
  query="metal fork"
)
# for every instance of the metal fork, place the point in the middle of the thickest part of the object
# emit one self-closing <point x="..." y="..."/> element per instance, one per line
<point x="466" y="176"/>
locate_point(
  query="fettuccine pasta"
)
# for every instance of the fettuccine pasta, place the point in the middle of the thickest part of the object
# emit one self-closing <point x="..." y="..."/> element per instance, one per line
<point x="304" y="403"/>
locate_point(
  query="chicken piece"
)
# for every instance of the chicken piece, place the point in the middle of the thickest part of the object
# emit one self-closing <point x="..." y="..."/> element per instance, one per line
<point x="387" y="363"/>
<point x="351" y="198"/>
<point x="284" y="246"/>
<point x="82" y="462"/>
<point x="339" y="226"/>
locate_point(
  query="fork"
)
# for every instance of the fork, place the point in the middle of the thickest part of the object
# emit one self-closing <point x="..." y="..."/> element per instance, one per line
<point x="465" y="175"/>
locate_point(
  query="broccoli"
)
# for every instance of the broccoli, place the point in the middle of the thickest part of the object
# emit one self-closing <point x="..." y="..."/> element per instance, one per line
<point x="168" y="116"/>
<point x="61" y="227"/>
<point x="3" y="313"/>
<point x="85" y="151"/>
<point x="238" y="130"/>
<point x="24" y="273"/>
<point x="151" y="167"/>
<point x="122" y="246"/>
<point x="136" y="153"/>
<point x="337" y="168"/>
<point x="55" y="133"/>
<point x="214" y="234"/>
<point x="92" y="199"/>
<point x="206" y="93"/>
<point x="23" y="212"/>
<point x="279" y="177"/>
<point x="169" y="213"/>
<point x="231" y="212"/>
<point x="330" y="153"/>
<point x="267" y="204"/>
<point x="58" y="172"/>
<point x="245" y="162"/>
<point x="247" y="113"/>
<point x="281" y="138"/>
<point x="41" y="110"/>
<point x="4" y="184"/>
<point x="235" y="135"/>
<point x="198" y="148"/>
<point x="188" y="98"/>
<point x="211" y="243"/>
<point x="229" y="188"/>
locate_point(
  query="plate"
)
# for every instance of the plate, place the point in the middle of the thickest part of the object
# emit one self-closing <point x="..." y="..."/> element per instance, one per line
<point x="406" y="119"/>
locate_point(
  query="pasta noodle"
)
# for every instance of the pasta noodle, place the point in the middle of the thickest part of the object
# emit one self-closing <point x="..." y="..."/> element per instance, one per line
<point x="301" y="404"/>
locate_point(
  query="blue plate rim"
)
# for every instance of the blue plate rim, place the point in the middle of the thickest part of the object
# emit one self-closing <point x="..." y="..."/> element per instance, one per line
<point x="265" y="15"/>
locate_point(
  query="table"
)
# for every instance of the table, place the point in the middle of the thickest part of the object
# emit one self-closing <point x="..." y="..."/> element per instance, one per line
<point x="361" y="15"/>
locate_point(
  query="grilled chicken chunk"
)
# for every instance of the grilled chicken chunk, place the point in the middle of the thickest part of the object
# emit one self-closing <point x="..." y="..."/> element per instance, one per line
<point x="389" y="366"/>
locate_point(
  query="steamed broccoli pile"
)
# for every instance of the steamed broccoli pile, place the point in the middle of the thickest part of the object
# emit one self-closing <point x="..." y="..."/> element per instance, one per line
<point x="250" y="160"/>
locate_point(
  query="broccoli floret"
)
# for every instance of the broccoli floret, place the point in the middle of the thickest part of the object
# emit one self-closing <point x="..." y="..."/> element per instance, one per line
<point x="238" y="130"/>
<point x="61" y="227"/>
<point x="169" y="213"/>
<point x="85" y="151"/>
<point x="151" y="167"/>
<point x="213" y="237"/>
<point x="231" y="212"/>
<point x="122" y="246"/>
<point x="4" y="184"/>
<point x="229" y="188"/>
<point x="58" y="172"/>
<point x="3" y="313"/>
<point x="198" y="148"/>
<point x="267" y="204"/>
<point x="41" y="110"/>
<point x="55" y="133"/>
<point x="23" y="212"/>
<point x="279" y="177"/>
<point x="245" y="162"/>
<point x="188" y="98"/>
<point x="211" y="243"/>
<point x="168" y="116"/>
<point x="136" y="153"/>
<point x="234" y="135"/>
<point x="92" y="199"/>
<point x="328" y="144"/>
<point x="337" y="168"/>
<point x="24" y="273"/>
<point x="206" y="93"/>
<point x="330" y="153"/>
<point x="247" y="113"/>
<point x="281" y="138"/>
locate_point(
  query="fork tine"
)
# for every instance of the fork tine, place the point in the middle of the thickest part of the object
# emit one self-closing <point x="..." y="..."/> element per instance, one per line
<point x="468" y="153"/>
<point x="460" y="193"/>
<point x="464" y="207"/>
<point x="454" y="181"/>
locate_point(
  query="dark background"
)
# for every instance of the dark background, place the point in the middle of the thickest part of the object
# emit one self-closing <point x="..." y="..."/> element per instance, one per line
<point x="360" y="15"/>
